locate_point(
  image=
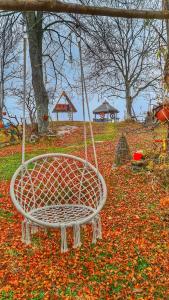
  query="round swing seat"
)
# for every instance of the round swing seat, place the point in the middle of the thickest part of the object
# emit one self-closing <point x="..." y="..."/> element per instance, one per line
<point x="62" y="214"/>
<point x="55" y="190"/>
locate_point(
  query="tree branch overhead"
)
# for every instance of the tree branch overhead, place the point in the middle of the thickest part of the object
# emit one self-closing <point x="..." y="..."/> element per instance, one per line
<point x="60" y="7"/>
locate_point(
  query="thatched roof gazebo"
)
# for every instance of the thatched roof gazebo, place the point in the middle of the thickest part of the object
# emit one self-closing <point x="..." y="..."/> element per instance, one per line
<point x="106" y="113"/>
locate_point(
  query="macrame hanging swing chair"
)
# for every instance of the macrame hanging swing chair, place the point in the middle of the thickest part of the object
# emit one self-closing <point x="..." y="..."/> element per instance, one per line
<point x="59" y="190"/>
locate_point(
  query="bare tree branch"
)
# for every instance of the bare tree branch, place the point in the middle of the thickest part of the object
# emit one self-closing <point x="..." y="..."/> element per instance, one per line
<point x="62" y="7"/>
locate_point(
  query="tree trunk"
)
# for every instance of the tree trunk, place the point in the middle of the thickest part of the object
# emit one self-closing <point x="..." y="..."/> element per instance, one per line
<point x="1" y="98"/>
<point x="32" y="120"/>
<point x="35" y="37"/>
<point x="1" y="103"/>
<point x="128" y="103"/>
<point x="165" y="6"/>
<point x="2" y="92"/>
<point x="166" y="67"/>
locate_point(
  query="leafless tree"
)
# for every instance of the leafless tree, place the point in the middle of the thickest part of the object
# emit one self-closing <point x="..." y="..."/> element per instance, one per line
<point x="30" y="104"/>
<point x="165" y="5"/>
<point x="48" y="37"/>
<point x="29" y="101"/>
<point x="121" y="53"/>
<point x="9" y="55"/>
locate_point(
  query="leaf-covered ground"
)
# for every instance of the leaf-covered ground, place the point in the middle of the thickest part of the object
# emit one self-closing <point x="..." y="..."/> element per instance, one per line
<point x="132" y="260"/>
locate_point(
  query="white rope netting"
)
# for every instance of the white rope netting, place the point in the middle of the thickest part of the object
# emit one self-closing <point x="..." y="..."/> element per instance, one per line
<point x="58" y="190"/>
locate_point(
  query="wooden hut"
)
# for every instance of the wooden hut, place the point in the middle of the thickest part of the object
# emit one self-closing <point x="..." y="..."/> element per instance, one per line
<point x="105" y="113"/>
<point x="66" y="107"/>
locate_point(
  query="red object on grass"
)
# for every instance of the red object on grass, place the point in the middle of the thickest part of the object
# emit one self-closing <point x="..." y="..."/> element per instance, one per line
<point x="158" y="141"/>
<point x="137" y="156"/>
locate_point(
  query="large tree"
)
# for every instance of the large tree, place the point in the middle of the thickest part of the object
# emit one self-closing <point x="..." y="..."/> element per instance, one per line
<point x="118" y="50"/>
<point x="34" y="22"/>
<point x="121" y="53"/>
<point x="49" y="37"/>
<point x="165" y="5"/>
<point x="49" y="40"/>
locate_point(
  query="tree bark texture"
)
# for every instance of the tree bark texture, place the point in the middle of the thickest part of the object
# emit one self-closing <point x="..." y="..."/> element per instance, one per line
<point x="60" y="7"/>
<point x="35" y="37"/>
<point x="128" y="103"/>
<point x="1" y="102"/>
<point x="166" y="68"/>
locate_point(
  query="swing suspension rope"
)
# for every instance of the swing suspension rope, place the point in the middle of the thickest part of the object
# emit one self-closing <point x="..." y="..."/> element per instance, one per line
<point x="59" y="190"/>
<point x="86" y="101"/>
<point x="24" y="98"/>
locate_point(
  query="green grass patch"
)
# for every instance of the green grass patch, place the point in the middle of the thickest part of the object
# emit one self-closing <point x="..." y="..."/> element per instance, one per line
<point x="37" y="295"/>
<point x="68" y="291"/>
<point x="108" y="134"/>
<point x="9" y="164"/>
<point x="12" y="252"/>
<point x="36" y="241"/>
<point x="160" y="292"/>
<point x="6" y="215"/>
<point x="152" y="206"/>
<point x="142" y="264"/>
<point x="111" y="267"/>
<point x="6" y="295"/>
<point x="114" y="289"/>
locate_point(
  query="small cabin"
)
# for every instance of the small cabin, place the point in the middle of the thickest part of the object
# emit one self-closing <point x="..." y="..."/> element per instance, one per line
<point x="66" y="107"/>
<point x="105" y="113"/>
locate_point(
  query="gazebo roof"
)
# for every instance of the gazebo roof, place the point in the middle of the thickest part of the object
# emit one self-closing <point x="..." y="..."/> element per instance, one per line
<point x="105" y="107"/>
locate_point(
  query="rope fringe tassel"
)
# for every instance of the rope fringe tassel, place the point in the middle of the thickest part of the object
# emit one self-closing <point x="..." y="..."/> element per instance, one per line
<point x="64" y="247"/>
<point x="97" y="229"/>
<point x="76" y="235"/>
<point x="26" y="232"/>
<point x="94" y="228"/>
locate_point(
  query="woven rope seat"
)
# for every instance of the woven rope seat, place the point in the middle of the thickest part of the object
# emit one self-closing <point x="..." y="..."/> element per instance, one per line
<point x="58" y="191"/>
